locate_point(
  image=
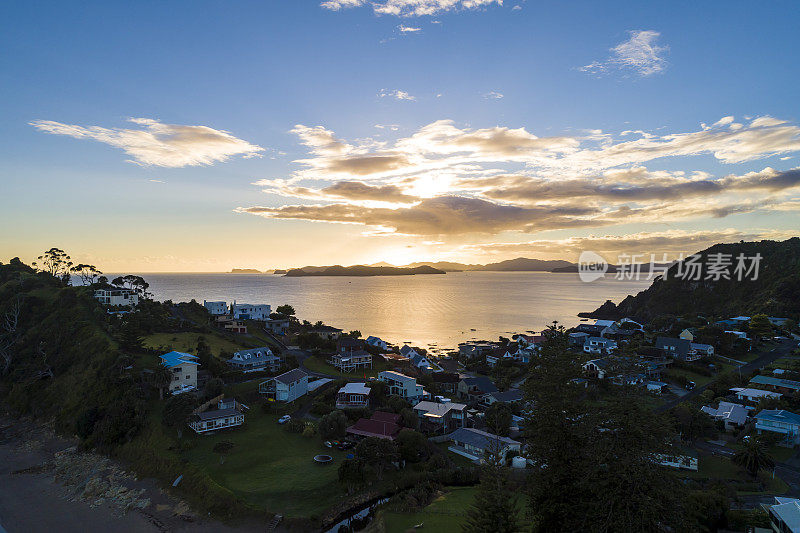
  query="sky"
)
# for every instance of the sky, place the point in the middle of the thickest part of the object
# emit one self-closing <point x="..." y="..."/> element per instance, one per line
<point x="204" y="136"/>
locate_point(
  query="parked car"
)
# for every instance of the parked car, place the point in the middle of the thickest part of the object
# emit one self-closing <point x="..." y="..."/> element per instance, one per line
<point x="284" y="419"/>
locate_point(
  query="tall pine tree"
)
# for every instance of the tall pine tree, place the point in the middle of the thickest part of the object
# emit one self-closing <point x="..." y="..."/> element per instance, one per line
<point x="495" y="507"/>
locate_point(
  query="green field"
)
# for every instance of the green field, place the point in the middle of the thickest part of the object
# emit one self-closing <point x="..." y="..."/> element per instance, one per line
<point x="271" y="468"/>
<point x="714" y="467"/>
<point x="187" y="342"/>
<point x="444" y="515"/>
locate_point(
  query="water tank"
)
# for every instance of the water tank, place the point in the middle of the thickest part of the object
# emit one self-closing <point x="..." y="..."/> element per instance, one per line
<point x="518" y="462"/>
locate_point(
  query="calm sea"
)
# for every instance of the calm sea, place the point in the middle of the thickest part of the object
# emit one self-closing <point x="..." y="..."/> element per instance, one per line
<point x="428" y="310"/>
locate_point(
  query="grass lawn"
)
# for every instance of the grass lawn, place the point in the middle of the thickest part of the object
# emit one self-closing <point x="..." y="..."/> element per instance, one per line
<point x="271" y="467"/>
<point x="714" y="467"/>
<point x="187" y="342"/>
<point x="316" y="364"/>
<point x="443" y="515"/>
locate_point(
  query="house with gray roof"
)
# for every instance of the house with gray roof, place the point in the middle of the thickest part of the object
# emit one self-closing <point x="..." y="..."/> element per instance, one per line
<point x="676" y="348"/>
<point x="475" y="388"/>
<point x="474" y="444"/>
<point x="286" y="387"/>
<point x="227" y="415"/>
<point x="784" y="386"/>
<point x="784" y="514"/>
<point x="254" y="360"/>
<point x="508" y="396"/>
<point x="734" y="415"/>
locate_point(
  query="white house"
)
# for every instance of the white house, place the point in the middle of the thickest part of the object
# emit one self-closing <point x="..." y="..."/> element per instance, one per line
<point x="377" y="342"/>
<point x="441" y="417"/>
<point x="255" y="359"/>
<point x="117" y="297"/>
<point x="216" y="308"/>
<point x="251" y="311"/>
<point x="287" y="387"/>
<point x="754" y="395"/>
<point x="739" y="334"/>
<point x="184" y="371"/>
<point x="408" y="352"/>
<point x="402" y="385"/>
<point x="474" y="443"/>
<point x="733" y="415"/>
<point x="227" y="415"/>
<point x="353" y="395"/>
<point x="784" y="515"/>
<point x="599" y="345"/>
<point x="785" y="423"/>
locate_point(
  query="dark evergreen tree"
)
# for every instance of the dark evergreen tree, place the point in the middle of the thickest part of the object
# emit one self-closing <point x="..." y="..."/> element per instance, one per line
<point x="495" y="506"/>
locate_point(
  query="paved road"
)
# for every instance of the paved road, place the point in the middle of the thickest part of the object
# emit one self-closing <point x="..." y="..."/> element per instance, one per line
<point x="784" y="348"/>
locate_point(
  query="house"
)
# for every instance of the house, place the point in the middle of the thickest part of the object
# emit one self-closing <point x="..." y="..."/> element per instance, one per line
<point x="474" y="444"/>
<point x="117" y="297"/>
<point x="380" y="425"/>
<point x="377" y="342"/>
<point x="524" y="355"/>
<point x="578" y="338"/>
<point x="784" y="515"/>
<point x="782" y="422"/>
<point x="234" y="326"/>
<point x="402" y="385"/>
<point x="775" y="321"/>
<point x="599" y="345"/>
<point x="475" y="349"/>
<point x="287" y="387"/>
<point x="529" y="341"/>
<point x="686" y="335"/>
<point x="597" y="367"/>
<point x="441" y="417"/>
<point x="496" y="355"/>
<point x="251" y="311"/>
<point x="255" y="359"/>
<point x="754" y="395"/>
<point x="348" y="344"/>
<point x="509" y="396"/>
<point x="656" y="386"/>
<point x="592" y="329"/>
<point x="326" y="332"/>
<point x="184" y="371"/>
<point x="474" y="388"/>
<point x="679" y="349"/>
<point x="352" y="396"/>
<point x="227" y="415"/>
<point x="422" y="362"/>
<point x="784" y="386"/>
<point x="734" y="415"/>
<point x="738" y="334"/>
<point x="703" y="350"/>
<point x="408" y="352"/>
<point x="446" y="381"/>
<point x="277" y="326"/>
<point x="216" y="308"/>
<point x="351" y="361"/>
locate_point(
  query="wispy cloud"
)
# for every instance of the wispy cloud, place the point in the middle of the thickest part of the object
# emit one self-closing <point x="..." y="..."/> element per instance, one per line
<point x="396" y="94"/>
<point x="159" y="144"/>
<point x="509" y="179"/>
<point x="493" y="95"/>
<point x="408" y="29"/>
<point x="639" y="54"/>
<point x="410" y="8"/>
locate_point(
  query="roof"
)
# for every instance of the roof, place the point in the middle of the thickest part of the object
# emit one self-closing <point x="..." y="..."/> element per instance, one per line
<point x="602" y="340"/>
<point x="218" y="413"/>
<point x="479" y="439"/>
<point x="788" y="510"/>
<point x="291" y="376"/>
<point x="445" y="377"/>
<point x="731" y="412"/>
<point x="397" y="376"/>
<point x="354" y="388"/>
<point x="756" y="393"/>
<point x="681" y="346"/>
<point x="237" y="306"/>
<point x="418" y="359"/>
<point x="482" y="383"/>
<point x="435" y="409"/>
<point x="779" y="415"/>
<point x="406" y="349"/>
<point x="172" y="359"/>
<point x="700" y="346"/>
<point x="325" y="328"/>
<point x="370" y="427"/>
<point x="776" y="382"/>
<point x="383" y="416"/>
<point x="349" y="343"/>
<point x="511" y="395"/>
<point x="604" y="323"/>
<point x="258" y="352"/>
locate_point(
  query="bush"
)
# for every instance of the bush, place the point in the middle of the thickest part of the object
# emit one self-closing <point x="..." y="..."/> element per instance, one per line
<point x="295" y="426"/>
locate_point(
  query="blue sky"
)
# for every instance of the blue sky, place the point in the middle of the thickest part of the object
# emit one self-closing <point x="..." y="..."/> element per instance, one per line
<point x="257" y="69"/>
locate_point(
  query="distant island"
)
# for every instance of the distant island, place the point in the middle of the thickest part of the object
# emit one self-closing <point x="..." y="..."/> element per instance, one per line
<point x="245" y="271"/>
<point x="279" y="271"/>
<point x="362" y="270"/>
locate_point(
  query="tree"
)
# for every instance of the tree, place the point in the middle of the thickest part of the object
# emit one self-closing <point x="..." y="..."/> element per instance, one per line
<point x="333" y="425"/>
<point x="377" y="453"/>
<point x="222" y="448"/>
<point x="754" y="457"/>
<point x="412" y="445"/>
<point x="408" y="418"/>
<point x="285" y="309"/>
<point x="55" y="262"/>
<point x="352" y="473"/>
<point x="87" y="273"/>
<point x="162" y="377"/>
<point x="213" y="388"/>
<point x="355" y="334"/>
<point x="760" y="326"/>
<point x="136" y="283"/>
<point x="495" y="505"/>
<point x="130" y="337"/>
<point x="498" y="418"/>
<point x="177" y="410"/>
<point x="10" y="333"/>
<point x="593" y="466"/>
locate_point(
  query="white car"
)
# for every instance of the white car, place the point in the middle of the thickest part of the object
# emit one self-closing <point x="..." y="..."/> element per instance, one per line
<point x="284" y="419"/>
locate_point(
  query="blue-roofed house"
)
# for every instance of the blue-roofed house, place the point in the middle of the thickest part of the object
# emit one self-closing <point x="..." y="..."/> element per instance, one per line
<point x="474" y="443"/>
<point x="784" y="423"/>
<point x="784" y="386"/>
<point x="184" y="371"/>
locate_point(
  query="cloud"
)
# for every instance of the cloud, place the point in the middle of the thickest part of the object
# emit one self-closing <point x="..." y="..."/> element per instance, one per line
<point x="410" y="8"/>
<point x="397" y="95"/>
<point x="516" y="8"/>
<point x="354" y="191"/>
<point x="639" y="54"/>
<point x="493" y="95"/>
<point x="158" y="144"/>
<point x="408" y="29"/>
